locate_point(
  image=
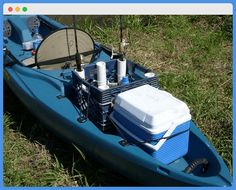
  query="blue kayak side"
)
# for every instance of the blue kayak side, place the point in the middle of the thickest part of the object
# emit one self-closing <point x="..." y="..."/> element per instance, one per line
<point x="39" y="89"/>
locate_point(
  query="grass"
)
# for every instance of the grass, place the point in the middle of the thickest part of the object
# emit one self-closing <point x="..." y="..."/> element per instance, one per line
<point x="33" y="156"/>
<point x="192" y="56"/>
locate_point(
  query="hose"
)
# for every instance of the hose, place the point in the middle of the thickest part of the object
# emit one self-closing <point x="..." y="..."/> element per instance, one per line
<point x="193" y="165"/>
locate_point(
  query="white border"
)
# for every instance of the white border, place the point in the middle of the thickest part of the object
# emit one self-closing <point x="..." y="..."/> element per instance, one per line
<point x="122" y="9"/>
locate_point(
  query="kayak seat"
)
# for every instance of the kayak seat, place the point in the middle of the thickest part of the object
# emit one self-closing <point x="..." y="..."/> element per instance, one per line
<point x="22" y="32"/>
<point x="58" y="50"/>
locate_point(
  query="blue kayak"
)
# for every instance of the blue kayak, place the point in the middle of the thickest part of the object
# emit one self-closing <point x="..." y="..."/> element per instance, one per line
<point x="47" y="85"/>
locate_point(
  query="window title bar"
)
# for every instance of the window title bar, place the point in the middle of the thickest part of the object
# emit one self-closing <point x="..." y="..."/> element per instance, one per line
<point x="118" y="9"/>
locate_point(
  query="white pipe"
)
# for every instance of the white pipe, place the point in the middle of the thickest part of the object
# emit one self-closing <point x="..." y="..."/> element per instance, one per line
<point x="121" y="69"/>
<point x="81" y="75"/>
<point x="101" y="74"/>
<point x="149" y="75"/>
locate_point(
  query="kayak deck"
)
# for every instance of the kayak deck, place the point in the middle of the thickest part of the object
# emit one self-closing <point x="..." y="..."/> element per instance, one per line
<point x="63" y="120"/>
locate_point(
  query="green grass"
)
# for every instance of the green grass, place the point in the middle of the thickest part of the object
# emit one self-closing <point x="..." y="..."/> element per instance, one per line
<point x="192" y="56"/>
<point x="33" y="156"/>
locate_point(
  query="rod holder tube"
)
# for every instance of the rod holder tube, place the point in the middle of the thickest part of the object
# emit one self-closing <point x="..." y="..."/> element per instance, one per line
<point x="121" y="69"/>
<point x="101" y="74"/>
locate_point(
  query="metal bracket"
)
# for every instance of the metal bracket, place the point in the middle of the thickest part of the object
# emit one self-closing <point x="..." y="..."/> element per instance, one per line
<point x="82" y="119"/>
<point x="60" y="96"/>
<point x="124" y="142"/>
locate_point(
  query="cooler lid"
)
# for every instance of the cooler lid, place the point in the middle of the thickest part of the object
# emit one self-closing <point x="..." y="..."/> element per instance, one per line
<point x="155" y="109"/>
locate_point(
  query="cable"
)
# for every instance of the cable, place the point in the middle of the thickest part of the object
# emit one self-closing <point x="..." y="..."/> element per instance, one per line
<point x="193" y="165"/>
<point x="77" y="55"/>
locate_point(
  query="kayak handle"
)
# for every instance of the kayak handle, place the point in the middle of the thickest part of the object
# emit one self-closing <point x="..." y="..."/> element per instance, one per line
<point x="193" y="165"/>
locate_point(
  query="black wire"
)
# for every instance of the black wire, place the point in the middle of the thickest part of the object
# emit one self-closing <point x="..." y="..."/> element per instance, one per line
<point x="193" y="165"/>
<point x="77" y="55"/>
<point x="121" y="28"/>
<point x="121" y="48"/>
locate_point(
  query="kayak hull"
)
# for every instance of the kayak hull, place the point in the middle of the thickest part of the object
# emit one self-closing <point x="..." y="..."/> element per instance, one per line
<point x="60" y="116"/>
<point x="47" y="94"/>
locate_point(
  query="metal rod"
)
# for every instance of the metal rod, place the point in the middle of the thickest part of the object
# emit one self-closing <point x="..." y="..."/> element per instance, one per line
<point x="77" y="55"/>
<point x="121" y="46"/>
<point x="121" y="28"/>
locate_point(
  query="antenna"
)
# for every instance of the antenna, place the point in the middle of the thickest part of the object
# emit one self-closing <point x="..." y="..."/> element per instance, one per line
<point x="121" y="47"/>
<point x="77" y="54"/>
<point x="123" y="42"/>
<point x="121" y="28"/>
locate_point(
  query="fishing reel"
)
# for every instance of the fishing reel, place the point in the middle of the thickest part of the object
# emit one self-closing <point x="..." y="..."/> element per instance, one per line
<point x="33" y="22"/>
<point x="122" y="49"/>
<point x="123" y="45"/>
<point x="7" y="29"/>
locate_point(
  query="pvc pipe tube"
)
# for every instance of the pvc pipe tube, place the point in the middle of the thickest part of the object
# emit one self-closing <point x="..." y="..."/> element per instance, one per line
<point x="81" y="73"/>
<point x="121" y="69"/>
<point x="101" y="74"/>
<point x="104" y="87"/>
<point x="149" y="75"/>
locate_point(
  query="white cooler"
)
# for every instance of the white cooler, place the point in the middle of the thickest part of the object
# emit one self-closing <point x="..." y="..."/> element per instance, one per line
<point x="154" y="120"/>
